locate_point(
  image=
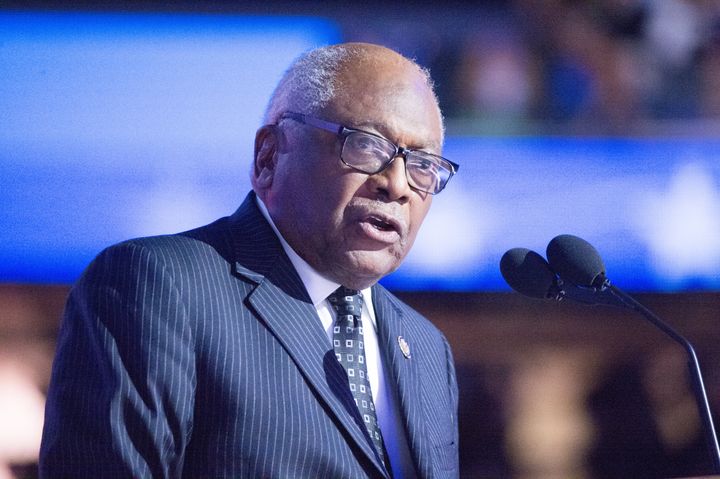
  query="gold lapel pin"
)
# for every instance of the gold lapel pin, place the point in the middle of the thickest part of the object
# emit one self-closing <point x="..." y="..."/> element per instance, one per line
<point x="404" y="347"/>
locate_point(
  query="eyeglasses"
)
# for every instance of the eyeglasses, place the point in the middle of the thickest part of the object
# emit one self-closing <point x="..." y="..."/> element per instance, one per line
<point x="371" y="154"/>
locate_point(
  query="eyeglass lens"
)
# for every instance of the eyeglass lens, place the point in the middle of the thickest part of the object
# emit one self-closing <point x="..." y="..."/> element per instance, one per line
<point x="370" y="154"/>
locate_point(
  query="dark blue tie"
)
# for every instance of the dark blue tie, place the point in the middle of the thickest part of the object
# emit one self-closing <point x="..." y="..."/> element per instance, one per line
<point x="350" y="352"/>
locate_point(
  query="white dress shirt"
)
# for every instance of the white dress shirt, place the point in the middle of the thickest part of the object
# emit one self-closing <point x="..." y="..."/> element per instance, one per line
<point x="386" y="403"/>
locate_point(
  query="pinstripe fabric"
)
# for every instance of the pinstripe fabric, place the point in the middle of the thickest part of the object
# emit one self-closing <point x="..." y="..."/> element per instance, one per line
<point x="199" y="355"/>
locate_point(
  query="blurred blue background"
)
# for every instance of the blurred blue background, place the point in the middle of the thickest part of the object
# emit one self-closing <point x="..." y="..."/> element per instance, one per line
<point x="116" y="125"/>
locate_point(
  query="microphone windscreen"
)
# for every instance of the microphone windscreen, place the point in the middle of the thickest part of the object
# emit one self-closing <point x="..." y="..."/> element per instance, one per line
<point x="576" y="261"/>
<point x="527" y="272"/>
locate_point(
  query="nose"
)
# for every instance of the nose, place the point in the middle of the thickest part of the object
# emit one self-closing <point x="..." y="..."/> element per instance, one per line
<point x="392" y="183"/>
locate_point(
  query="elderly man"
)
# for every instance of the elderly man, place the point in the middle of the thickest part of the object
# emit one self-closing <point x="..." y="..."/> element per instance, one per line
<point x="260" y="345"/>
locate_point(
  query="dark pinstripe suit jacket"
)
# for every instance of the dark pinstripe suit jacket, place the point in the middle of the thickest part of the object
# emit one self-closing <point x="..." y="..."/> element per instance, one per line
<point x="200" y="355"/>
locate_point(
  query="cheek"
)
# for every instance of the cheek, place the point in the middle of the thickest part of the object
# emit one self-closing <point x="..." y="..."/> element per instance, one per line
<point x="330" y="198"/>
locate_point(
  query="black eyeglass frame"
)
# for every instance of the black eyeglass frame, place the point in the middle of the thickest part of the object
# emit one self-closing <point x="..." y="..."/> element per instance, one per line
<point x="343" y="132"/>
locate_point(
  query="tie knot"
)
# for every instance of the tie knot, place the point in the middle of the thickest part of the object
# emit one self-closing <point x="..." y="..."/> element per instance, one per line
<point x="347" y="303"/>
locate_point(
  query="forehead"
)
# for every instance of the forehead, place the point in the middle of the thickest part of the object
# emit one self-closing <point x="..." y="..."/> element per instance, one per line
<point x="391" y="97"/>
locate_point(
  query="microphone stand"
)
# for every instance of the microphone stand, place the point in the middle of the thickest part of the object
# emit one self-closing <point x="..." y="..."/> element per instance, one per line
<point x="526" y="265"/>
<point x="693" y="364"/>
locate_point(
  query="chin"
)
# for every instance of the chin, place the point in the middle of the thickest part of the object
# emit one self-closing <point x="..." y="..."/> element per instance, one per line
<point x="368" y="267"/>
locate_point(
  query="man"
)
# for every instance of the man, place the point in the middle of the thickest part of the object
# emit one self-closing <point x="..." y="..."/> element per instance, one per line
<point x="217" y="353"/>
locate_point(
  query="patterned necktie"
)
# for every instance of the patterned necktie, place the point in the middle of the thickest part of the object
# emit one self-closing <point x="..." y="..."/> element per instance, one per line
<point x="350" y="352"/>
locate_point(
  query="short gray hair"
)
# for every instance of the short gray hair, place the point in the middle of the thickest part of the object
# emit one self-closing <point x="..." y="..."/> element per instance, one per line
<point x="311" y="82"/>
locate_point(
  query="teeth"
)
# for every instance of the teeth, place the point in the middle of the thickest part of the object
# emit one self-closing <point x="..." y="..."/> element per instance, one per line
<point x="380" y="224"/>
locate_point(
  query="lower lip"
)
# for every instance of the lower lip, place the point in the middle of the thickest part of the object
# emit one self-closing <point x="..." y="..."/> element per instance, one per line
<point x="381" y="236"/>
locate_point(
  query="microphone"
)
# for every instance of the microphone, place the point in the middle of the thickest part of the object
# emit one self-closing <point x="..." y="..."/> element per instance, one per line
<point x="579" y="263"/>
<point x="529" y="274"/>
<point x="576" y="261"/>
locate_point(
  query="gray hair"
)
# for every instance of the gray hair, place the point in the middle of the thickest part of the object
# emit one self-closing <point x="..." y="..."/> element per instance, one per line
<point x="311" y="82"/>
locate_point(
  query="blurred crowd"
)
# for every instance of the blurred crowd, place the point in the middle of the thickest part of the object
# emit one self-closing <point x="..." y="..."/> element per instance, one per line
<point x="516" y="66"/>
<point x="601" y="66"/>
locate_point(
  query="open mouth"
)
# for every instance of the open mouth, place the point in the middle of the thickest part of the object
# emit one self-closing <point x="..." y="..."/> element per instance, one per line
<point x="380" y="224"/>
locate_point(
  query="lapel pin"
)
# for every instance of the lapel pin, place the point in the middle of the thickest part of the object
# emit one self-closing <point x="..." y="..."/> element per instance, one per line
<point x="404" y="347"/>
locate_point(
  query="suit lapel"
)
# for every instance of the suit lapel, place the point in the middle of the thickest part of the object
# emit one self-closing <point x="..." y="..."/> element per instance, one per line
<point x="281" y="301"/>
<point x="406" y="375"/>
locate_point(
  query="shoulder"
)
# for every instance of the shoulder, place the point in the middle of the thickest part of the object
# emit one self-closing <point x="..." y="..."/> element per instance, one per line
<point x="222" y="238"/>
<point x="143" y="283"/>
<point x="241" y="239"/>
<point x="180" y="251"/>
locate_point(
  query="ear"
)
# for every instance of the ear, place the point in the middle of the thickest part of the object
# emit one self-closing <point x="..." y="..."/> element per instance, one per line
<point x="267" y="143"/>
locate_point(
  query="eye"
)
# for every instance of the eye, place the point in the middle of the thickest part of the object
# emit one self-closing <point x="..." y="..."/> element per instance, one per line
<point x="425" y="172"/>
<point x="363" y="142"/>
<point x="424" y="166"/>
<point x="366" y="144"/>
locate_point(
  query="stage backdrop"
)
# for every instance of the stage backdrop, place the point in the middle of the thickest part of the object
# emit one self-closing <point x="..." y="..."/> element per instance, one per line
<point x="123" y="125"/>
